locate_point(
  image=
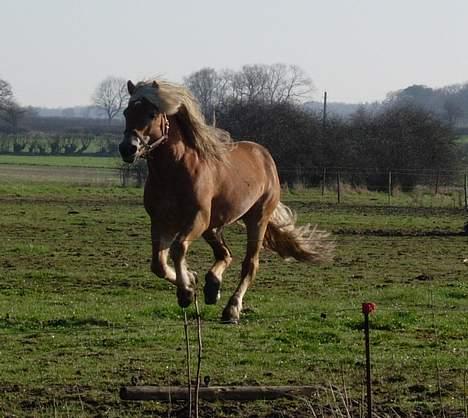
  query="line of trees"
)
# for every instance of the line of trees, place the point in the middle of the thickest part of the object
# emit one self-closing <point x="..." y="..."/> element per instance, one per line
<point x="260" y="84"/>
<point x="265" y="103"/>
<point x="449" y="103"/>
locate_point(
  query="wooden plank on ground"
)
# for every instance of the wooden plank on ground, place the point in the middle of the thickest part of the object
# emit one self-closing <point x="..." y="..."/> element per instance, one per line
<point x="213" y="393"/>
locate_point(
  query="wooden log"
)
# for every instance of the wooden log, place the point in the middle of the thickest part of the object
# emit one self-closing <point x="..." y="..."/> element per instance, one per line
<point x="213" y="393"/>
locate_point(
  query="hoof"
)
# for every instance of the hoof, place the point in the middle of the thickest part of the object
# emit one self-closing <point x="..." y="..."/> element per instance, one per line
<point x="185" y="297"/>
<point x="231" y="315"/>
<point x="211" y="289"/>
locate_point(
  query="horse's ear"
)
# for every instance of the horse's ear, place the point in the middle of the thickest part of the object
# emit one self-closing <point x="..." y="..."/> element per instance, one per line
<point x="130" y="87"/>
<point x="155" y="84"/>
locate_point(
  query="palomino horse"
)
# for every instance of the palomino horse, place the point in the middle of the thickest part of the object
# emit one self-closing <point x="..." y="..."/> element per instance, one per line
<point x="199" y="180"/>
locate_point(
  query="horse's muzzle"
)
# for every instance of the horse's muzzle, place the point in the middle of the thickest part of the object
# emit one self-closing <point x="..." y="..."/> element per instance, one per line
<point x="128" y="150"/>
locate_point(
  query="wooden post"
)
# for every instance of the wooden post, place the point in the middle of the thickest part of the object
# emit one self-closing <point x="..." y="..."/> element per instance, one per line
<point x="368" y="308"/>
<point x="324" y="177"/>
<point x="390" y="186"/>
<point x="324" y="116"/>
<point x="466" y="192"/>
<point x="213" y="393"/>
<point x="436" y="191"/>
<point x="338" y="186"/>
<point x="368" y="366"/>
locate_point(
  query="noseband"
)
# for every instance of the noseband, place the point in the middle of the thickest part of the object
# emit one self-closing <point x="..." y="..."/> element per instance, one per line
<point x="148" y="146"/>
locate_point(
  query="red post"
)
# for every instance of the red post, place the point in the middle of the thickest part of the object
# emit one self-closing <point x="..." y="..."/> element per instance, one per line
<point x="368" y="308"/>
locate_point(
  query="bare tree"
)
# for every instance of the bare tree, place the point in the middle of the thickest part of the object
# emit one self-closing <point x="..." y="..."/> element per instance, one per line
<point x="259" y="83"/>
<point x="12" y="115"/>
<point x="294" y="85"/>
<point x="253" y="82"/>
<point x="10" y="111"/>
<point x="111" y="96"/>
<point x="208" y="87"/>
<point x="6" y="94"/>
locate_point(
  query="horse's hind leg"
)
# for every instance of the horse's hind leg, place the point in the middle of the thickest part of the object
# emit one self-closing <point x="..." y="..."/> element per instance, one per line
<point x="256" y="227"/>
<point x="223" y="258"/>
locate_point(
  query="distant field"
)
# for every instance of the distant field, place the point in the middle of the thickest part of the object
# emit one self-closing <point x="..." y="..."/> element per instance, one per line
<point x="80" y="170"/>
<point x="61" y="161"/>
<point x="463" y="139"/>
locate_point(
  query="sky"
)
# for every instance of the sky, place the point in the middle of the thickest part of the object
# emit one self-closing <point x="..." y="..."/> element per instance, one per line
<point x="55" y="52"/>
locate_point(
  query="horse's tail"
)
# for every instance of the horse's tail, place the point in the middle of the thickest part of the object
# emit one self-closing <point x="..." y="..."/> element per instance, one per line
<point x="303" y="243"/>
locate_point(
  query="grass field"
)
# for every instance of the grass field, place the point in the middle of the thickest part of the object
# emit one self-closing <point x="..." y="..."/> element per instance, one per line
<point x="80" y="170"/>
<point x="81" y="315"/>
<point x="463" y="139"/>
<point x="61" y="161"/>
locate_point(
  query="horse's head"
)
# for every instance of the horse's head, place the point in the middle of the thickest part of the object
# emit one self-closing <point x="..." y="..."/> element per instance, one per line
<point x="146" y="126"/>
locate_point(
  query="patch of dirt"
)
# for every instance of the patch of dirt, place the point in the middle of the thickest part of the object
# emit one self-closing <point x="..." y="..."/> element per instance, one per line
<point x="397" y="233"/>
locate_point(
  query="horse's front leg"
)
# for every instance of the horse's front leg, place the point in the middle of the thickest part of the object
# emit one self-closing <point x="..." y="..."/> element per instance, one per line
<point x="160" y="245"/>
<point x="185" y="279"/>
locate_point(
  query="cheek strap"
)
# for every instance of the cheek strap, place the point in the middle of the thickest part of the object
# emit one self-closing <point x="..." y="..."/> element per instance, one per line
<point x="148" y="146"/>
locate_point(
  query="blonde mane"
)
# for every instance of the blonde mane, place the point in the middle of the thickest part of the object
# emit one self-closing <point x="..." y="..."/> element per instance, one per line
<point x="174" y="99"/>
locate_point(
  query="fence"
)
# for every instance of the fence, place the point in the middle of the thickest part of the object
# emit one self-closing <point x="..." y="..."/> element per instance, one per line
<point x="421" y="184"/>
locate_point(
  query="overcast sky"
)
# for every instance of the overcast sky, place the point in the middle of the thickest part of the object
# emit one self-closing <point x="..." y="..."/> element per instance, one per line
<point x="55" y="52"/>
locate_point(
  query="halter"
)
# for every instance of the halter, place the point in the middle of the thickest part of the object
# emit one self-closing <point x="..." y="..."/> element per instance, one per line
<point x="146" y="146"/>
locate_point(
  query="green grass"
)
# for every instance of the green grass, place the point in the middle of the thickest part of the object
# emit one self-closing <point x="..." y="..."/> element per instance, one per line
<point x="80" y="313"/>
<point x="61" y="161"/>
<point x="462" y="139"/>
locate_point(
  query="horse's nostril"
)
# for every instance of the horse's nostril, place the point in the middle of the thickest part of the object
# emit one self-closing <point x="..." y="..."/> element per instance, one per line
<point x="127" y="149"/>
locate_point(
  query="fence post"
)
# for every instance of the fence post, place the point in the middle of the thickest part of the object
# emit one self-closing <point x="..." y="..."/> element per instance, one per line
<point x="338" y="186"/>
<point x="466" y="192"/>
<point x="390" y="186"/>
<point x="368" y="308"/>
<point x="437" y="182"/>
<point x="324" y="177"/>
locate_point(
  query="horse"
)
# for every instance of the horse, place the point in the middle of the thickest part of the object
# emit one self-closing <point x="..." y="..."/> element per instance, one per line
<point x="199" y="181"/>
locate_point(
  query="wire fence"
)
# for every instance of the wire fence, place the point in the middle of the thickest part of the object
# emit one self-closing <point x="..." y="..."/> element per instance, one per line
<point x="338" y="183"/>
<point x="405" y="187"/>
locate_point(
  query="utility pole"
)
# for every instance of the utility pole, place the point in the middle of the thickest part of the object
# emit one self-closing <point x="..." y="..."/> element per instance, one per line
<point x="324" y="116"/>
